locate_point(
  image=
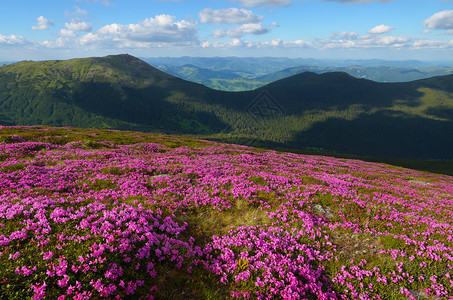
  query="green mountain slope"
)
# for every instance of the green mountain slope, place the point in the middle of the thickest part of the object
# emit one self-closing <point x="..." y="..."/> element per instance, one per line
<point x="224" y="80"/>
<point x="112" y="92"/>
<point x="330" y="112"/>
<point x="337" y="111"/>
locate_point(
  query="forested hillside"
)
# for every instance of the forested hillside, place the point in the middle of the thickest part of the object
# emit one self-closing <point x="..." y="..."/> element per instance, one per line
<point x="332" y="112"/>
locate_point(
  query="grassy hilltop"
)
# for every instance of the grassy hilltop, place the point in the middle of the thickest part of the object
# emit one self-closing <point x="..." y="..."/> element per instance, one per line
<point x="113" y="92"/>
<point x="332" y="112"/>
<point x="90" y="213"/>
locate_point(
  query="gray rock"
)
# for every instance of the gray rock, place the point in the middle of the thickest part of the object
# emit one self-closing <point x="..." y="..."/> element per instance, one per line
<point x="323" y="210"/>
<point x="419" y="182"/>
<point x="160" y="176"/>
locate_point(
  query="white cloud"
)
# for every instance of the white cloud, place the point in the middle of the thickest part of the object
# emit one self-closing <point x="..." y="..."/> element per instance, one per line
<point x="426" y="31"/>
<point x="234" y="43"/>
<point x="67" y="33"/>
<point x="358" y="1"/>
<point x="74" y="27"/>
<point x="255" y="3"/>
<point x="440" y="20"/>
<point x="362" y="42"/>
<point x="157" y="31"/>
<point x="78" y="26"/>
<point x="275" y="43"/>
<point x="77" y="12"/>
<point x="237" y="43"/>
<point x="107" y="3"/>
<point x="89" y="38"/>
<point x="103" y="2"/>
<point x="380" y="29"/>
<point x="345" y="35"/>
<point x="219" y="33"/>
<point x="13" y="40"/>
<point x="205" y="44"/>
<point x="80" y="12"/>
<point x="241" y="30"/>
<point x="423" y="44"/>
<point x="302" y="43"/>
<point x="346" y="39"/>
<point x="395" y="41"/>
<point x="59" y="43"/>
<point x="228" y="16"/>
<point x="42" y="24"/>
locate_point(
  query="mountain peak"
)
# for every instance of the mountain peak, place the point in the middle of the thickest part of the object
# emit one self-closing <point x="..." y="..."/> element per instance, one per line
<point x="130" y="65"/>
<point x="123" y="58"/>
<point x="122" y="68"/>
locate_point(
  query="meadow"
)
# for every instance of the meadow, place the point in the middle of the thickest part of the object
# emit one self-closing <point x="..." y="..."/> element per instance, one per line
<point x="88" y="214"/>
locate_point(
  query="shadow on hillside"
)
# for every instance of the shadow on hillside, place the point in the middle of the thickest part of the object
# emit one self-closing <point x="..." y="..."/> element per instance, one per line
<point x="339" y="91"/>
<point x="443" y="113"/>
<point x="155" y="107"/>
<point x="5" y="120"/>
<point x="381" y="135"/>
<point x="384" y="133"/>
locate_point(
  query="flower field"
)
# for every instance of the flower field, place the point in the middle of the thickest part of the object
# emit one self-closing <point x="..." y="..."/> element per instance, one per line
<point x="89" y="214"/>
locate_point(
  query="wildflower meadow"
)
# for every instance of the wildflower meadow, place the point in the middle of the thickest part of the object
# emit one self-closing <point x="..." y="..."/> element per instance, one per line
<point x="89" y="214"/>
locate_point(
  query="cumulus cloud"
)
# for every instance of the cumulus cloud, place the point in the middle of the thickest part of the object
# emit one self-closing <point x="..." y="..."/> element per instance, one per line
<point x="395" y="41"/>
<point x="241" y="30"/>
<point x="255" y="3"/>
<point x="67" y="33"/>
<point x="346" y="39"/>
<point x="13" y="40"/>
<point x="424" y="44"/>
<point x="78" y="26"/>
<point x="90" y="38"/>
<point x="59" y="43"/>
<point x="440" y="20"/>
<point x="74" y="27"/>
<point x="162" y="29"/>
<point x="42" y="24"/>
<point x="234" y="43"/>
<point x="275" y="43"/>
<point x="228" y="16"/>
<point x="380" y="29"/>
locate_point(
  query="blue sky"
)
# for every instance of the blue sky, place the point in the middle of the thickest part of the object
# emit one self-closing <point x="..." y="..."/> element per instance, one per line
<point x="338" y="29"/>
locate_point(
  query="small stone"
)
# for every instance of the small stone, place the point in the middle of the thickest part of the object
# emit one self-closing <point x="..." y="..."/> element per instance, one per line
<point x="323" y="210"/>
<point x="160" y="176"/>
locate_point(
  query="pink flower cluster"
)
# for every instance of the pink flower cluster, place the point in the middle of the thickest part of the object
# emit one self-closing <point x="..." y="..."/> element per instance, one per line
<point x="280" y="262"/>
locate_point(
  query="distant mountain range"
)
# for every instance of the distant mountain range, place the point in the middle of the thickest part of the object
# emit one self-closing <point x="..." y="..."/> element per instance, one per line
<point x="274" y="64"/>
<point x="331" y="111"/>
<point x="242" y="74"/>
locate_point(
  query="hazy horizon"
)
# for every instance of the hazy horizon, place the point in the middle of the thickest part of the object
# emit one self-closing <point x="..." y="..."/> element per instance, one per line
<point x="334" y="62"/>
